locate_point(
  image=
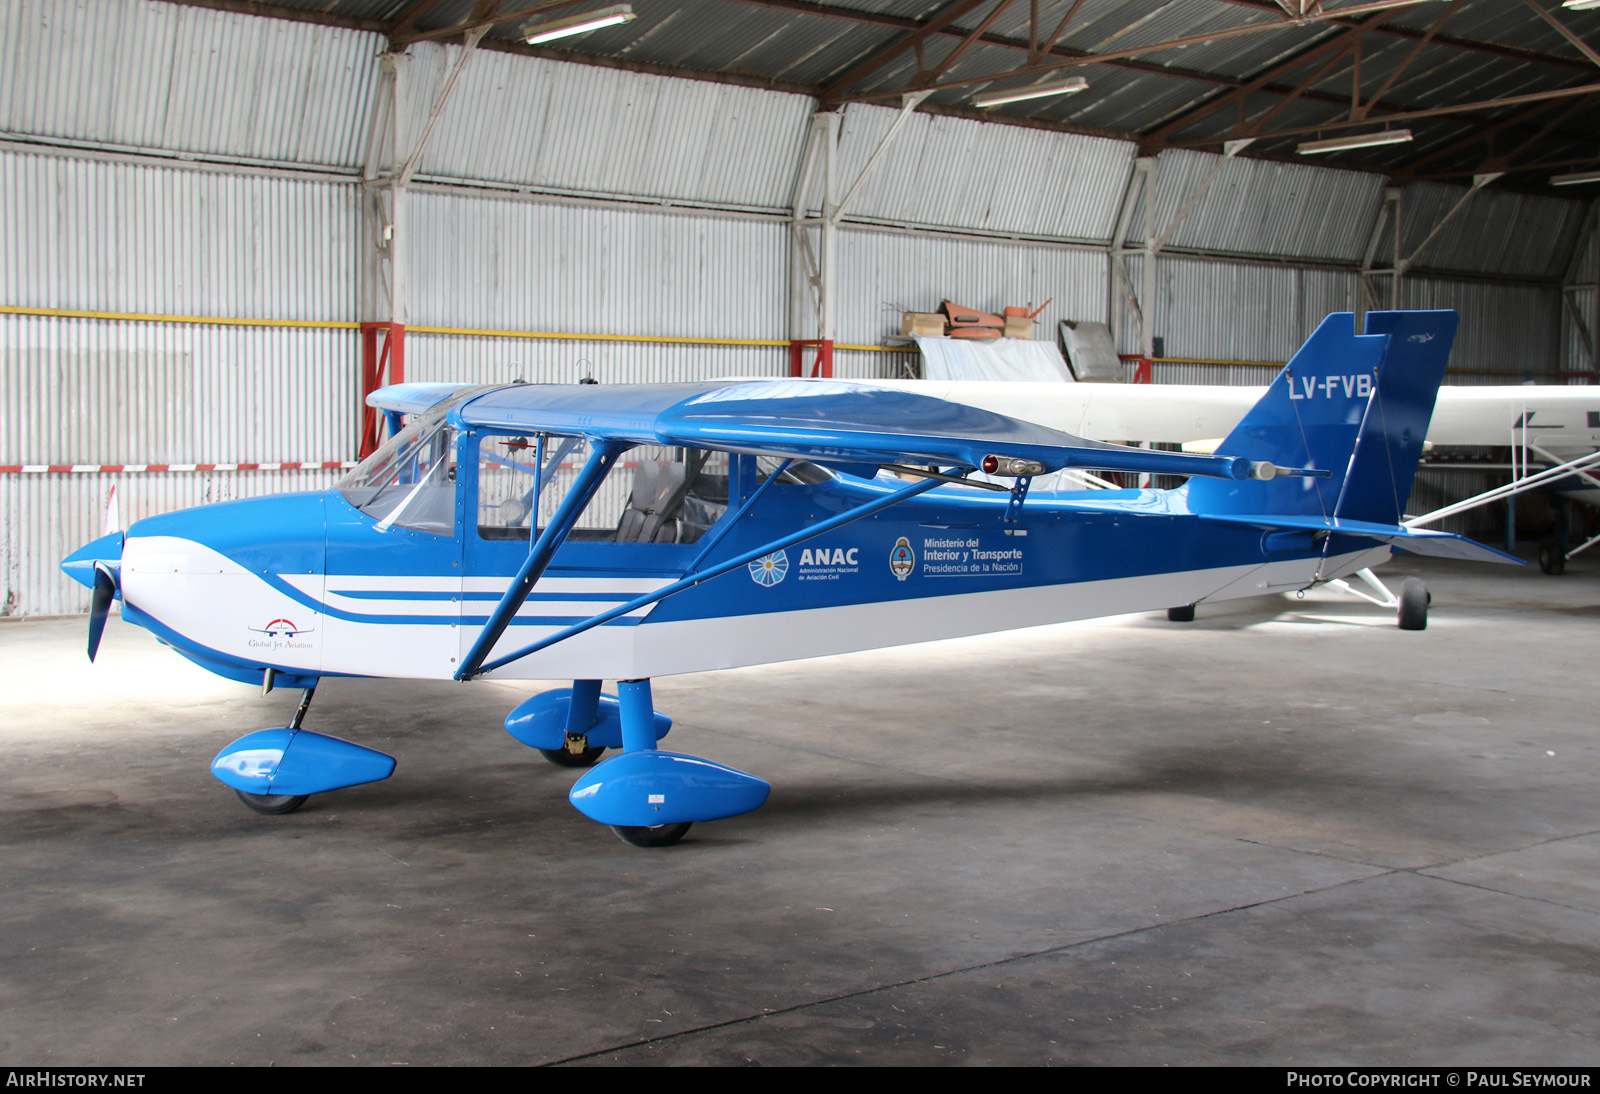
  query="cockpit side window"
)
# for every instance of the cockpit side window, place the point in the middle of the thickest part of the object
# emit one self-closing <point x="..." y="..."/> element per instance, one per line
<point x="797" y="473"/>
<point x="652" y="495"/>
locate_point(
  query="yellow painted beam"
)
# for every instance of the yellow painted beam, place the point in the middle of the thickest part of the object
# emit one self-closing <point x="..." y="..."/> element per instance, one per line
<point x="327" y="324"/>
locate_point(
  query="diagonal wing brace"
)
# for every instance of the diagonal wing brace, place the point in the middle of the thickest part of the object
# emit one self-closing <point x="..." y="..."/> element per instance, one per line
<point x="555" y="534"/>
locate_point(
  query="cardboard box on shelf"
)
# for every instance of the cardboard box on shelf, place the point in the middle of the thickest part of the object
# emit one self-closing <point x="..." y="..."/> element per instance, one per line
<point x="921" y="322"/>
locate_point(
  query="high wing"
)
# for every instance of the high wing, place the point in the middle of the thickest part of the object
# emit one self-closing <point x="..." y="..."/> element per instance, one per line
<point x="412" y="398"/>
<point x="827" y="421"/>
<point x="1564" y="417"/>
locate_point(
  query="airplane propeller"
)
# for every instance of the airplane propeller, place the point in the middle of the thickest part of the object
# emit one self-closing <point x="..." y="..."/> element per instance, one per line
<point x="105" y="589"/>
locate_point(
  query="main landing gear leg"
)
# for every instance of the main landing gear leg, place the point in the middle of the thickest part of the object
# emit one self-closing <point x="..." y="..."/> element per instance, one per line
<point x="639" y="735"/>
<point x="573" y="727"/>
<point x="650" y="796"/>
<point x="583" y="712"/>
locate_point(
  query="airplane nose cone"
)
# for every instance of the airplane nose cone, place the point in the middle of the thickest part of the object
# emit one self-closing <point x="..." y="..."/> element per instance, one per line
<point x="79" y="565"/>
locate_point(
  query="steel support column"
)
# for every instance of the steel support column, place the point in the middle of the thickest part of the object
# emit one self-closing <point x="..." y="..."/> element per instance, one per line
<point x="1586" y="254"/>
<point x="395" y="146"/>
<point x="816" y="275"/>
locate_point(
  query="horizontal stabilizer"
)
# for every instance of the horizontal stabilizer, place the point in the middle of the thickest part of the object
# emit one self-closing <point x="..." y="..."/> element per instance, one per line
<point x="1419" y="541"/>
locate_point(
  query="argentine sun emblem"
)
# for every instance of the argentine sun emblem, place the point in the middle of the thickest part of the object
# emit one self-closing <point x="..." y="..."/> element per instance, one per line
<point x="902" y="560"/>
<point x="769" y="569"/>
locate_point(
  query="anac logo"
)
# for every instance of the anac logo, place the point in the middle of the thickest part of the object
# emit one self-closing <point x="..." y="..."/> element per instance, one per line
<point x="770" y="569"/>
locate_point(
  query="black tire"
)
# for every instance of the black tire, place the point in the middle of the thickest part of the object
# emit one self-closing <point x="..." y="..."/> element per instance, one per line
<point x="662" y="835"/>
<point x="562" y="758"/>
<point x="1414" y="601"/>
<point x="1184" y="614"/>
<point x="274" y="805"/>
<point x="1552" y="559"/>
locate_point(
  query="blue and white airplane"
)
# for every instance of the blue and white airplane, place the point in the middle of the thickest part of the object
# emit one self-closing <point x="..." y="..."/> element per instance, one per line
<point x="620" y="533"/>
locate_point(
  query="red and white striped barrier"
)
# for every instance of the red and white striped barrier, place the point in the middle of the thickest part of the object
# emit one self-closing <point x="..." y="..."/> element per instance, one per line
<point x="120" y="468"/>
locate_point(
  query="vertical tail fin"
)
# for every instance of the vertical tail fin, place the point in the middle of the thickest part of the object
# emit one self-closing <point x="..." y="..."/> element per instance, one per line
<point x="1354" y="405"/>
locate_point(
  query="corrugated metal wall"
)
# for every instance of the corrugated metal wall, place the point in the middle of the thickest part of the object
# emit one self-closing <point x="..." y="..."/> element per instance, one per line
<point x="107" y="236"/>
<point x="1253" y="312"/>
<point x="498" y="264"/>
<point x="49" y="516"/>
<point x="106" y="392"/>
<point x="957" y="173"/>
<point x="150" y="75"/>
<point x="885" y="274"/>
<point x="1505" y="329"/>
<point x="519" y="265"/>
<point x="1238" y="311"/>
<point x="85" y="234"/>
<point x="1495" y="231"/>
<point x="1259" y="207"/>
<point x="581" y="129"/>
<point x="271" y="231"/>
<point x="1584" y="299"/>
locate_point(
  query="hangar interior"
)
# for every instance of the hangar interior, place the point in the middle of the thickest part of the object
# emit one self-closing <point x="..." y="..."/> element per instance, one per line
<point x="225" y="221"/>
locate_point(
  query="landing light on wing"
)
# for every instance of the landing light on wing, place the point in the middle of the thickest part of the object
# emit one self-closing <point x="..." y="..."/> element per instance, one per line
<point x="1009" y="465"/>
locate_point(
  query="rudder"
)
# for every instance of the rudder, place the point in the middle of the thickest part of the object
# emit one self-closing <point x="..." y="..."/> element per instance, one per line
<point x="1356" y="406"/>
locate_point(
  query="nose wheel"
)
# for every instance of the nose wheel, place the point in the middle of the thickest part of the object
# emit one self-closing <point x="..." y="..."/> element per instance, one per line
<point x="274" y="805"/>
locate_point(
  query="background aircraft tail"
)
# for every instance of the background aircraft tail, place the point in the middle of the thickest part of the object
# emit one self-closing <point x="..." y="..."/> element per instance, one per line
<point x="1354" y="405"/>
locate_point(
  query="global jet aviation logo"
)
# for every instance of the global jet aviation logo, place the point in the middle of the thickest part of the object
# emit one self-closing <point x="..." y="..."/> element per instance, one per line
<point x="279" y="628"/>
<point x="281" y="634"/>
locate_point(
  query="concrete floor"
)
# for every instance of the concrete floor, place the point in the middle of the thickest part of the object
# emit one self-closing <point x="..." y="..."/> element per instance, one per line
<point x="1288" y="833"/>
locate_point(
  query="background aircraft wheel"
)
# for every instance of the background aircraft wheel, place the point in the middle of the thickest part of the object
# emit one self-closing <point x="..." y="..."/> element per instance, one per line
<point x="1414" y="601"/>
<point x="273" y="804"/>
<point x="1552" y="559"/>
<point x="562" y="758"/>
<point x="662" y="835"/>
<point x="1184" y="614"/>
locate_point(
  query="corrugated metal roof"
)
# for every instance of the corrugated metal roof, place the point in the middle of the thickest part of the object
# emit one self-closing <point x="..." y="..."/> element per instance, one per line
<point x="1488" y="48"/>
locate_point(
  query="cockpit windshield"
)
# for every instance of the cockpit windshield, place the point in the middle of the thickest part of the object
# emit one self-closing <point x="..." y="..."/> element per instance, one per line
<point x="410" y="481"/>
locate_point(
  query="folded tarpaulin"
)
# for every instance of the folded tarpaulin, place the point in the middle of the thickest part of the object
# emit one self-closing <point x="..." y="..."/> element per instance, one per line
<point x="997" y="359"/>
